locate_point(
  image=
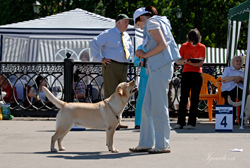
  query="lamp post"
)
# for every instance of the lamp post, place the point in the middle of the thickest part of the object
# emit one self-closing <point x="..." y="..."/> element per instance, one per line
<point x="178" y="13"/>
<point x="36" y="6"/>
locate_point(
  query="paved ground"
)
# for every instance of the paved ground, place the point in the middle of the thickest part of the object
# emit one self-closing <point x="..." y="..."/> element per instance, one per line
<point x="26" y="142"/>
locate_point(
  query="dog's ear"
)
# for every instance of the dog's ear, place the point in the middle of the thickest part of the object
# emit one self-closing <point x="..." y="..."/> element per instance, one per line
<point x="120" y="91"/>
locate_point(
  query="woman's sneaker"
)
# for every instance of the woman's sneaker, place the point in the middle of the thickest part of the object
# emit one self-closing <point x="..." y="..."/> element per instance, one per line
<point x="190" y="127"/>
<point x="159" y="150"/>
<point x="178" y="126"/>
<point x="139" y="149"/>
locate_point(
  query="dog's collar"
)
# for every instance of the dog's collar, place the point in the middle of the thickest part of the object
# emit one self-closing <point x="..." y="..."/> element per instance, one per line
<point x="112" y="109"/>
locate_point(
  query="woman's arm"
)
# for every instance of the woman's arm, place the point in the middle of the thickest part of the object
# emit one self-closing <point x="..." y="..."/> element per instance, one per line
<point x="79" y="96"/>
<point x="236" y="79"/>
<point x="31" y="93"/>
<point x="80" y="91"/>
<point x="199" y="64"/>
<point x="161" y="44"/>
<point x="181" y="61"/>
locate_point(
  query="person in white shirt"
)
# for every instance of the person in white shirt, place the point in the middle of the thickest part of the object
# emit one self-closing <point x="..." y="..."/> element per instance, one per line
<point x="114" y="49"/>
<point x="232" y="81"/>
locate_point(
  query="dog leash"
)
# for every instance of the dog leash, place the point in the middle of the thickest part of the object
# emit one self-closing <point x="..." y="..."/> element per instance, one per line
<point x="140" y="59"/>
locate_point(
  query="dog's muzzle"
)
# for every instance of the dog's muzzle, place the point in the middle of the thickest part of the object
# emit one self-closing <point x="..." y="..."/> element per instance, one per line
<point x="135" y="89"/>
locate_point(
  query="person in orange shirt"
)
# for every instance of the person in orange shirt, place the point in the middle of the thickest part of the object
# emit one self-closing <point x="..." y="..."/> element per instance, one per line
<point x="193" y="54"/>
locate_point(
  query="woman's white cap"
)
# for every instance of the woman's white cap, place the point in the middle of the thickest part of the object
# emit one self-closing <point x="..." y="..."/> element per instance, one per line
<point x="139" y="12"/>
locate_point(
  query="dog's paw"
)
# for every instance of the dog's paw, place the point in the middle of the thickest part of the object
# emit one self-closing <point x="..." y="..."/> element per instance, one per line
<point x="109" y="148"/>
<point x="53" y="150"/>
<point x="62" y="149"/>
<point x="114" y="151"/>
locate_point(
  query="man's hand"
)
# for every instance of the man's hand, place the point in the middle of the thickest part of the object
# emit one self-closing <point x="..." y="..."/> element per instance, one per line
<point x="106" y="61"/>
<point x="38" y="98"/>
<point x="238" y="79"/>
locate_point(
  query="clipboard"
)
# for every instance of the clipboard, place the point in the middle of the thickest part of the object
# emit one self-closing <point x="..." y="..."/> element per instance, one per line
<point x="195" y="60"/>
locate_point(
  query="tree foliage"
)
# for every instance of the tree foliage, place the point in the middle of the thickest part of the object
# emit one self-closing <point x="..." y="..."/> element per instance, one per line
<point x="210" y="17"/>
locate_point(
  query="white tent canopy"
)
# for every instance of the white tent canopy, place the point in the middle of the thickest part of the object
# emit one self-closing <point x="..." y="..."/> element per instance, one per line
<point x="46" y="38"/>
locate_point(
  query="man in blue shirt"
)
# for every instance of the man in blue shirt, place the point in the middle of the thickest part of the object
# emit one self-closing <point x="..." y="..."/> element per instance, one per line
<point x="113" y="48"/>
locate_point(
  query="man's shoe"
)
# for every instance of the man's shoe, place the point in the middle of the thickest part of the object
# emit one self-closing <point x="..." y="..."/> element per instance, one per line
<point x="118" y="127"/>
<point x="159" y="150"/>
<point x="123" y="126"/>
<point x="139" y="149"/>
<point x="235" y="123"/>
<point x="137" y="127"/>
<point x="178" y="126"/>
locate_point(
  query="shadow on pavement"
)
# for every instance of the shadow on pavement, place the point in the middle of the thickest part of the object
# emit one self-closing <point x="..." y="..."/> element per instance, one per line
<point x="90" y="155"/>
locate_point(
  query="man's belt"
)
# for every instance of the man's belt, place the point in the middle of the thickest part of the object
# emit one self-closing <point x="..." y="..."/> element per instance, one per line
<point x="126" y="63"/>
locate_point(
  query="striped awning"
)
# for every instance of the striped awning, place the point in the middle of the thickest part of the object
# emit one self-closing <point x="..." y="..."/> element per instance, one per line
<point x="41" y="39"/>
<point x="35" y="49"/>
<point x="240" y="12"/>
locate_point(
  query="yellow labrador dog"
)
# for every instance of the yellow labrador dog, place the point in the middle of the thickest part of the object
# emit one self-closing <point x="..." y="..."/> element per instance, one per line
<point x="106" y="114"/>
<point x="246" y="110"/>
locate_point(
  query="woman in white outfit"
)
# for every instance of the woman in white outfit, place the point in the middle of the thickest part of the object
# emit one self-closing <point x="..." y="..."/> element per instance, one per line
<point x="161" y="52"/>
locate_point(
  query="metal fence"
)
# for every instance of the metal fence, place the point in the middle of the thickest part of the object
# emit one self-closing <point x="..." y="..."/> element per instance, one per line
<point x="59" y="75"/>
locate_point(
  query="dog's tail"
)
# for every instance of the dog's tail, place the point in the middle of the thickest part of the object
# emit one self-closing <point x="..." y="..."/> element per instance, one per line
<point x="235" y="104"/>
<point x="58" y="103"/>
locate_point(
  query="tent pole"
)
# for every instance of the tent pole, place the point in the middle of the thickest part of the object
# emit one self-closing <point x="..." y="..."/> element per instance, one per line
<point x="245" y="85"/>
<point x="229" y="41"/>
<point x="232" y="52"/>
<point x="1" y="48"/>
<point x="238" y="27"/>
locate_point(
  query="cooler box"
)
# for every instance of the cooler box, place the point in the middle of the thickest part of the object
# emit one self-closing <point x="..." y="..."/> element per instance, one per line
<point x="5" y="109"/>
